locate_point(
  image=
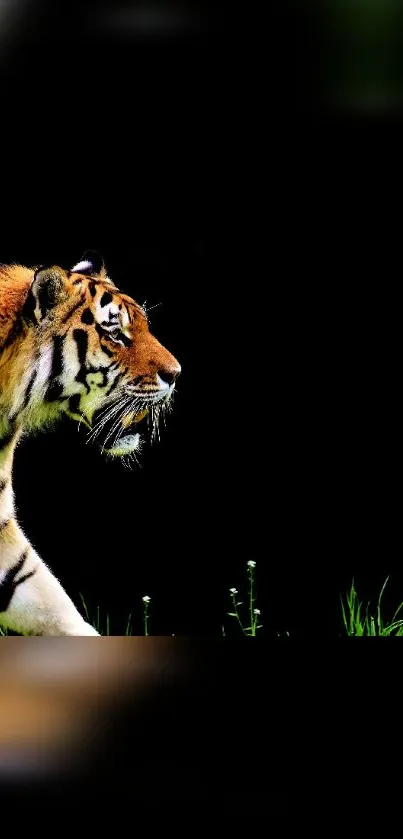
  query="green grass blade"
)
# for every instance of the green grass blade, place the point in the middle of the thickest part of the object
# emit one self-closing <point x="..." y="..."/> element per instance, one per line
<point x="379" y="606"/>
<point x="397" y="611"/>
<point x="358" y="619"/>
<point x="85" y="608"/>
<point x="392" y="626"/>
<point x="351" y="604"/>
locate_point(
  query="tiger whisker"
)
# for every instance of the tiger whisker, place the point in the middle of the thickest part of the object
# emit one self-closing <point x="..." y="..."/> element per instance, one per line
<point x="134" y="406"/>
<point x="82" y="419"/>
<point x="119" y="394"/>
<point x="129" y="407"/>
<point x="117" y="425"/>
<point x="104" y="420"/>
<point x="96" y="431"/>
<point x="107" y="411"/>
<point x="124" y="404"/>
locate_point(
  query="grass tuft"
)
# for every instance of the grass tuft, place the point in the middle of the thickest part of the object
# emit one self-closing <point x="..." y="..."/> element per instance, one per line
<point x="359" y="621"/>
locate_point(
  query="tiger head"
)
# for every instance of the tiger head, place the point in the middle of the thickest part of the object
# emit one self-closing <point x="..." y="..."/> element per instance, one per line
<point x="96" y="359"/>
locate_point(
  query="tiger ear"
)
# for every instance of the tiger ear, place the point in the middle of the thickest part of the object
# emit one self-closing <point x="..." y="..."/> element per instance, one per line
<point x="91" y="263"/>
<point x="47" y="290"/>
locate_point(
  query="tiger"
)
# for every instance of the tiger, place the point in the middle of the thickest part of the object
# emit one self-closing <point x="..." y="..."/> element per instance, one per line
<point x="71" y="344"/>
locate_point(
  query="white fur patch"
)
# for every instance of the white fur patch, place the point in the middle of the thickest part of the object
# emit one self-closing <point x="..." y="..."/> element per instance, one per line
<point x="43" y="375"/>
<point x="44" y="366"/>
<point x="83" y="266"/>
<point x="110" y="312"/>
<point x="126" y="445"/>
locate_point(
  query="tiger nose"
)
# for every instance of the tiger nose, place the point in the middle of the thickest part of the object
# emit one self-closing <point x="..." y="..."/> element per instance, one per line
<point x="170" y="373"/>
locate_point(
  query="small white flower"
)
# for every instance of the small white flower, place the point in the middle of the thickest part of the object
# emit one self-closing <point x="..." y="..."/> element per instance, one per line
<point x="146" y="599"/>
<point x="234" y="590"/>
<point x="256" y="611"/>
<point x="251" y="563"/>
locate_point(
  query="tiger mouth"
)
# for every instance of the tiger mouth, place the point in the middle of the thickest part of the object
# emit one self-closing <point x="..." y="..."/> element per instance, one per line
<point x="126" y="443"/>
<point x="134" y="418"/>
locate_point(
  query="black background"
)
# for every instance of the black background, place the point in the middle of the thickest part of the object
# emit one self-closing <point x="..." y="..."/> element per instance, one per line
<point x="209" y="166"/>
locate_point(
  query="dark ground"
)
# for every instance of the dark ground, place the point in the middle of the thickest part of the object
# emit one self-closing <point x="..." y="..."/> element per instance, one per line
<point x="207" y="166"/>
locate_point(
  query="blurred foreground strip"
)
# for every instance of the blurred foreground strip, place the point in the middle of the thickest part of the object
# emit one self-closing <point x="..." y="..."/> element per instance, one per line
<point x="59" y="698"/>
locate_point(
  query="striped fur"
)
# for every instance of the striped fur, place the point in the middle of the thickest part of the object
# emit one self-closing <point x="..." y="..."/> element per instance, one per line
<point x="70" y="344"/>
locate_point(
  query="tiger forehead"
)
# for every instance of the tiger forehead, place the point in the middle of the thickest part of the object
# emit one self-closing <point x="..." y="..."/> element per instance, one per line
<point x="106" y="289"/>
<point x="117" y="303"/>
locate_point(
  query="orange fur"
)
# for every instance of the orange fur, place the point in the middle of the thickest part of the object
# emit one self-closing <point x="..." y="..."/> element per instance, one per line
<point x="69" y="343"/>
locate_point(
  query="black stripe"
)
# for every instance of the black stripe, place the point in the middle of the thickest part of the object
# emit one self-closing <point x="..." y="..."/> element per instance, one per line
<point x="87" y="317"/>
<point x="28" y="390"/>
<point x="55" y="389"/>
<point x="106" y="298"/>
<point x="81" y="338"/>
<point x="107" y="352"/>
<point x="9" y="584"/>
<point x="3" y="484"/>
<point x="54" y="392"/>
<point x="57" y="360"/>
<point x="74" y="403"/>
<point x="6" y="440"/>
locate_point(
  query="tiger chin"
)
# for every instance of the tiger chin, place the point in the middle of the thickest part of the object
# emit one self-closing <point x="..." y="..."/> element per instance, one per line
<point x="71" y="344"/>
